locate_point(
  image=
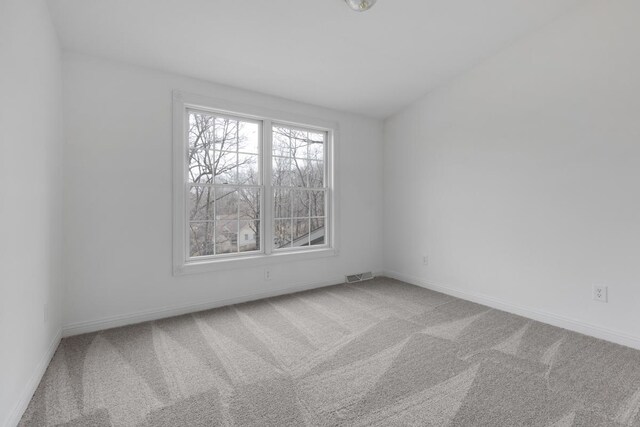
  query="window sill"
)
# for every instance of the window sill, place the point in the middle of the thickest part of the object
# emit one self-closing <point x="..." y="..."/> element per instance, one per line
<point x="209" y="265"/>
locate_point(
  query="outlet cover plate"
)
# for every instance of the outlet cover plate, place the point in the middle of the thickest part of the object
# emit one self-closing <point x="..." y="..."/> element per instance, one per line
<point x="600" y="293"/>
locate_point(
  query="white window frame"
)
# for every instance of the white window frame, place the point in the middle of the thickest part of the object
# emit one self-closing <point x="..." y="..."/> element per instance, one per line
<point x="182" y="263"/>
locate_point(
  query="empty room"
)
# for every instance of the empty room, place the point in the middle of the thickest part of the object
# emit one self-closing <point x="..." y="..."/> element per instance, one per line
<point x="320" y="213"/>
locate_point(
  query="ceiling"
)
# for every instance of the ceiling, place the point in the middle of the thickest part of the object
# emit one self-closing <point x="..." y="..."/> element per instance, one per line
<point x="318" y="52"/>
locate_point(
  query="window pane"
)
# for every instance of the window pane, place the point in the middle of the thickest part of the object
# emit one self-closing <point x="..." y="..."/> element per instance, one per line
<point x="300" y="200"/>
<point x="200" y="169"/>
<point x="316" y="203"/>
<point x="316" y="174"/>
<point x="226" y="134"/>
<point x="282" y="172"/>
<point x="317" y="231"/>
<point x="201" y="239"/>
<point x="282" y="233"/>
<point x="249" y="203"/>
<point x="201" y="140"/>
<point x="248" y="169"/>
<point x="282" y="203"/>
<point x="225" y="167"/>
<point x="281" y="142"/>
<point x="316" y="146"/>
<point x="301" y="232"/>
<point x="249" y="138"/>
<point x="226" y="203"/>
<point x="249" y="236"/>
<point x="226" y="237"/>
<point x="201" y="203"/>
<point x="300" y="172"/>
<point x="299" y="143"/>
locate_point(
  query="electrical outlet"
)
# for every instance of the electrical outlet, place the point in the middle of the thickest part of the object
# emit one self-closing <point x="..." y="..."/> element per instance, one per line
<point x="267" y="274"/>
<point x="425" y="260"/>
<point x="600" y="293"/>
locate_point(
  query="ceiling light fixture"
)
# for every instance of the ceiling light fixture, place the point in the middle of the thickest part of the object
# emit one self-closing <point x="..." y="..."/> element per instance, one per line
<point x="360" y="5"/>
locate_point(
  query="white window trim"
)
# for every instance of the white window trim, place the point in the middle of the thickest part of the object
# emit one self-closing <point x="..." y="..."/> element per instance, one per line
<point x="181" y="263"/>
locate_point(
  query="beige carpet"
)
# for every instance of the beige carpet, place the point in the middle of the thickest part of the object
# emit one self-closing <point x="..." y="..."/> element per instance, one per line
<point x="378" y="353"/>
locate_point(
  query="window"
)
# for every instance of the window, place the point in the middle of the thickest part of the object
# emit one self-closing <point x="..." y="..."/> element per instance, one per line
<point x="223" y="173"/>
<point x="297" y="177"/>
<point x="256" y="174"/>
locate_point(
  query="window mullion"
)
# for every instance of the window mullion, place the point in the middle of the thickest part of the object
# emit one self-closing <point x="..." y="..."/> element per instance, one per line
<point x="267" y="209"/>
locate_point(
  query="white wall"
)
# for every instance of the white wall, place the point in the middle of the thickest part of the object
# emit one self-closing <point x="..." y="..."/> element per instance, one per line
<point x="30" y="200"/>
<point x="118" y="198"/>
<point x="522" y="176"/>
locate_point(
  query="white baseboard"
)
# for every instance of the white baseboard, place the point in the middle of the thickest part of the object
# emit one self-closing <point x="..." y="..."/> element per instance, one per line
<point x="27" y="393"/>
<point x="539" y="315"/>
<point x="161" y="313"/>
